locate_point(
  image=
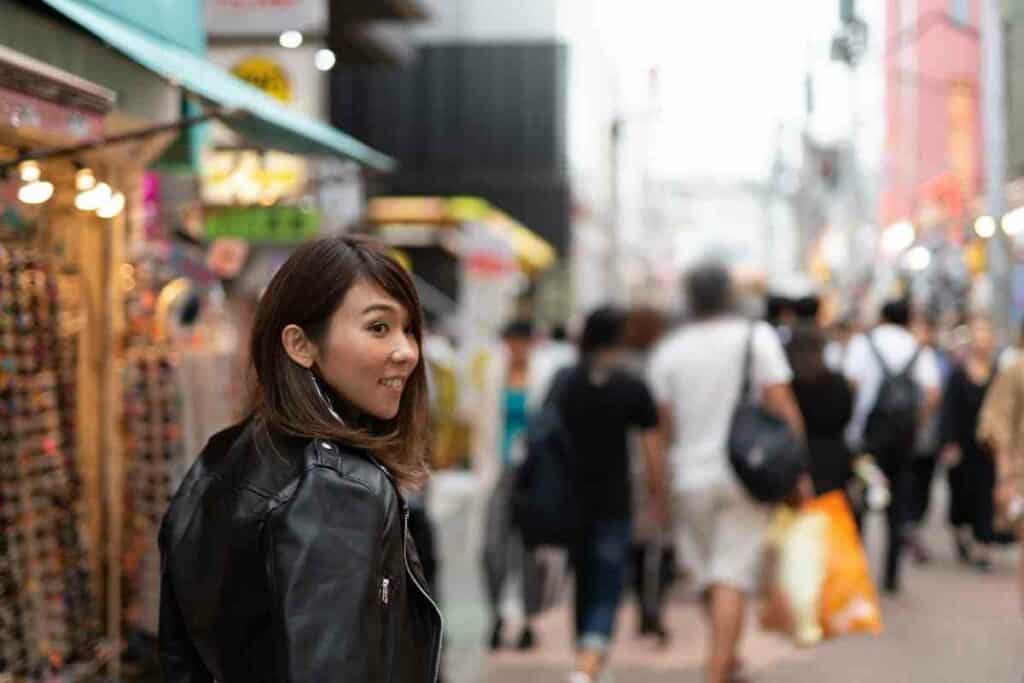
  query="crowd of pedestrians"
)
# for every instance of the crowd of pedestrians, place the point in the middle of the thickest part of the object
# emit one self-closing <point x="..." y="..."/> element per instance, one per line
<point x="625" y="452"/>
<point x="647" y="408"/>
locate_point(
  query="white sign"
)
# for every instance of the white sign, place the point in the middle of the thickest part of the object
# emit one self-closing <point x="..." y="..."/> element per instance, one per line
<point x="265" y="17"/>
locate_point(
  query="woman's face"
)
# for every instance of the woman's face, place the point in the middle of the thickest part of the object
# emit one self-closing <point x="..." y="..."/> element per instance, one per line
<point x="369" y="350"/>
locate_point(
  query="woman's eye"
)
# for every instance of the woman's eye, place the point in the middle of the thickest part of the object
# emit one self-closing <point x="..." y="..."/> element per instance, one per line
<point x="379" y="328"/>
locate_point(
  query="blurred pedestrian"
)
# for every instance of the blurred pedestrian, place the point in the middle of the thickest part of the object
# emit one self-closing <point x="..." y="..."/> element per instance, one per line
<point x="504" y="552"/>
<point x="926" y="444"/>
<point x="696" y="376"/>
<point x="654" y="558"/>
<point x="971" y="468"/>
<point x="826" y="403"/>
<point x="897" y="387"/>
<point x="284" y="554"/>
<point x="1001" y="427"/>
<point x="840" y="334"/>
<point x="548" y="357"/>
<point x="600" y="404"/>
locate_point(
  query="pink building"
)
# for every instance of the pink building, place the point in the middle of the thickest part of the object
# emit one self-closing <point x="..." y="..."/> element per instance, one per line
<point x="933" y="147"/>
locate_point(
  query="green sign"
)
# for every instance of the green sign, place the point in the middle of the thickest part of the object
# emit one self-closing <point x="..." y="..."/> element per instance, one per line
<point x="270" y="225"/>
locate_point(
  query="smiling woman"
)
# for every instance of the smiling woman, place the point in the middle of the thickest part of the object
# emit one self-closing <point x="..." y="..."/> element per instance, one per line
<point x="285" y="552"/>
<point x="341" y="324"/>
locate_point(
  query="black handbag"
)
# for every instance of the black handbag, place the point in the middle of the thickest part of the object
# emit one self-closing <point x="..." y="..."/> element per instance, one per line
<point x="765" y="454"/>
<point x="545" y="505"/>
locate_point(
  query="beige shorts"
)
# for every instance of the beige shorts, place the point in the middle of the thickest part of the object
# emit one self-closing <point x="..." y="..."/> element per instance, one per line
<point x="721" y="535"/>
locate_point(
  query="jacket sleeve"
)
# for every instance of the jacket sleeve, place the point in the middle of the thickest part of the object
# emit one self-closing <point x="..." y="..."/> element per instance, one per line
<point x="323" y="551"/>
<point x="179" y="661"/>
<point x="1000" y="412"/>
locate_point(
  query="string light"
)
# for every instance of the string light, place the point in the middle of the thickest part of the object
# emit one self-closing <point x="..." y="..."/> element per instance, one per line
<point x="112" y="206"/>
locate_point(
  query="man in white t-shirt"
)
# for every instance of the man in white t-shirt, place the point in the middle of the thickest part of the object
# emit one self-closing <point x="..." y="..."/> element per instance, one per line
<point x="897" y="347"/>
<point x="695" y="376"/>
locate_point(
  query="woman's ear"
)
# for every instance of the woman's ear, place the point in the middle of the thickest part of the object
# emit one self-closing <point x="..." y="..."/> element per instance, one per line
<point x="298" y="346"/>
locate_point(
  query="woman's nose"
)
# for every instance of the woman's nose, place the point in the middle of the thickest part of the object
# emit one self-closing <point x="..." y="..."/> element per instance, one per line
<point x="405" y="350"/>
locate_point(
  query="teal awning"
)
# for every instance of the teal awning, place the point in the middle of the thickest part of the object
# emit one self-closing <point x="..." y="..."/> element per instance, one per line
<point x="268" y="123"/>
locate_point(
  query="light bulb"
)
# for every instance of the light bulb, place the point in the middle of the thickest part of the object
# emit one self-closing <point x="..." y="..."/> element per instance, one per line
<point x="35" y="192"/>
<point x="290" y="39"/>
<point x="1013" y="222"/>
<point x="985" y="226"/>
<point x="324" y="59"/>
<point x="918" y="258"/>
<point x="29" y="171"/>
<point x="90" y="200"/>
<point x="898" y="237"/>
<point x="84" y="179"/>
<point x="112" y="206"/>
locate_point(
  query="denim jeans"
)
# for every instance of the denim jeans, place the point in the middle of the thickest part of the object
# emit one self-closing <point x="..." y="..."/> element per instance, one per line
<point x="600" y="559"/>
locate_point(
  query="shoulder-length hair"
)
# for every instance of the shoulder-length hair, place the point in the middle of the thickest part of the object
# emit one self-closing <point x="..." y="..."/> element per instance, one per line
<point x="306" y="291"/>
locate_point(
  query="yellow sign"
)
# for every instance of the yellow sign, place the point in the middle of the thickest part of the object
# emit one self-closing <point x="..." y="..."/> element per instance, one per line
<point x="265" y="74"/>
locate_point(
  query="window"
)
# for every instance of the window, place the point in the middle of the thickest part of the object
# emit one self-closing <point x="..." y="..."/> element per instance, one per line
<point x="960" y="11"/>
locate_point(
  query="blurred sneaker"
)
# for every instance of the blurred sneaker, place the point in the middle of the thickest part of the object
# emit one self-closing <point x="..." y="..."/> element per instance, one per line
<point x="496" y="630"/>
<point x="527" y="641"/>
<point x="963" y="541"/>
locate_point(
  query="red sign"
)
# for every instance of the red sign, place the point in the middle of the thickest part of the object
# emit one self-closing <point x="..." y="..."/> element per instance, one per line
<point x="18" y="110"/>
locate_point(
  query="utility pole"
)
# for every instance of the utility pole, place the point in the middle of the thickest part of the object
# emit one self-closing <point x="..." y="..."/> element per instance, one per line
<point x="613" y="286"/>
<point x="993" y="105"/>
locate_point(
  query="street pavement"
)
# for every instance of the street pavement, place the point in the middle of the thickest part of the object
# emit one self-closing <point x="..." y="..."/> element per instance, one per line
<point x="950" y="624"/>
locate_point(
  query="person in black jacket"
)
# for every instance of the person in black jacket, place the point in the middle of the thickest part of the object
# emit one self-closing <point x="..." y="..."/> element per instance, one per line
<point x="971" y="473"/>
<point x="285" y="553"/>
<point x="826" y="402"/>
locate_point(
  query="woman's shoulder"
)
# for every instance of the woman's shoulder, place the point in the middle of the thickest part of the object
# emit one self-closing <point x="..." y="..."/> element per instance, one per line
<point x="284" y="461"/>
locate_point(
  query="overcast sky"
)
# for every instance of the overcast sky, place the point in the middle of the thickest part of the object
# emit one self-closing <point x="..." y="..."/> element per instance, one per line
<point x="730" y="71"/>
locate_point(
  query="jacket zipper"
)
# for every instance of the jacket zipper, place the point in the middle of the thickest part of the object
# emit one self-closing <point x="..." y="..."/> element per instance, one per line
<point x="423" y="592"/>
<point x="412" y="577"/>
<point x="385" y="586"/>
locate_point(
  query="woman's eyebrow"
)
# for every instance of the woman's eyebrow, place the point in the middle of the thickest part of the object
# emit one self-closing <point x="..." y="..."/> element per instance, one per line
<point x="386" y="308"/>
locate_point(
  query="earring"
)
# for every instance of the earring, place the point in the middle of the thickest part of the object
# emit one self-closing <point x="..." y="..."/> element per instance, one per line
<point x="323" y="397"/>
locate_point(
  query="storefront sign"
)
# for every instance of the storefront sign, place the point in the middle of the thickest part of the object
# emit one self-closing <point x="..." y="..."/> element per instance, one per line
<point x="18" y="110"/>
<point x="267" y="75"/>
<point x="242" y="177"/>
<point x="272" y="225"/>
<point x="264" y="17"/>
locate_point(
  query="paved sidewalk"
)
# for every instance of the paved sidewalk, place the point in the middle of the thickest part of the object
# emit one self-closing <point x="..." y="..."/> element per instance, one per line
<point x="950" y="625"/>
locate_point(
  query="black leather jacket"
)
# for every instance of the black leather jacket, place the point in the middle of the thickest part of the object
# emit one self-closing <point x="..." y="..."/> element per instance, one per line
<point x="287" y="560"/>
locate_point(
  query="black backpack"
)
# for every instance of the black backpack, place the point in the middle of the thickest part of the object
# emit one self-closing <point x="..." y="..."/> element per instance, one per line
<point x="892" y="422"/>
<point x="765" y="454"/>
<point x="545" y="505"/>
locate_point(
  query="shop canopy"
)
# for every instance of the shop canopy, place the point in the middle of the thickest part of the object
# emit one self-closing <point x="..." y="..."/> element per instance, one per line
<point x="532" y="251"/>
<point x="266" y="122"/>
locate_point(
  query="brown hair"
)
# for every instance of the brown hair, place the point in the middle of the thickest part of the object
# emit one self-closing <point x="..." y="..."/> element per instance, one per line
<point x="306" y="291"/>
<point x="806" y="352"/>
<point x="645" y="325"/>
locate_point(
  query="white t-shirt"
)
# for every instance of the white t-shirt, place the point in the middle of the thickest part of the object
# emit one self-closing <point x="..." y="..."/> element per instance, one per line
<point x="697" y="372"/>
<point x="897" y="347"/>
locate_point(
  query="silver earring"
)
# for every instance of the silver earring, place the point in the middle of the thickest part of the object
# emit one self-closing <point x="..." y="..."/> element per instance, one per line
<point x="323" y="397"/>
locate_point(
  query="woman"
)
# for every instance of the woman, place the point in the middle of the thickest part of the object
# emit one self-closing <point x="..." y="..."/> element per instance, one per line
<point x="826" y="403"/>
<point x="1001" y="427"/>
<point x="653" y="554"/>
<point x="600" y="403"/>
<point x="503" y="548"/>
<point x="285" y="554"/>
<point x="972" y="471"/>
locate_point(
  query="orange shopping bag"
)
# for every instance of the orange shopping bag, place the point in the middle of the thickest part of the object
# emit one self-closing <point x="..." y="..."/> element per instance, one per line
<point x="849" y="601"/>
